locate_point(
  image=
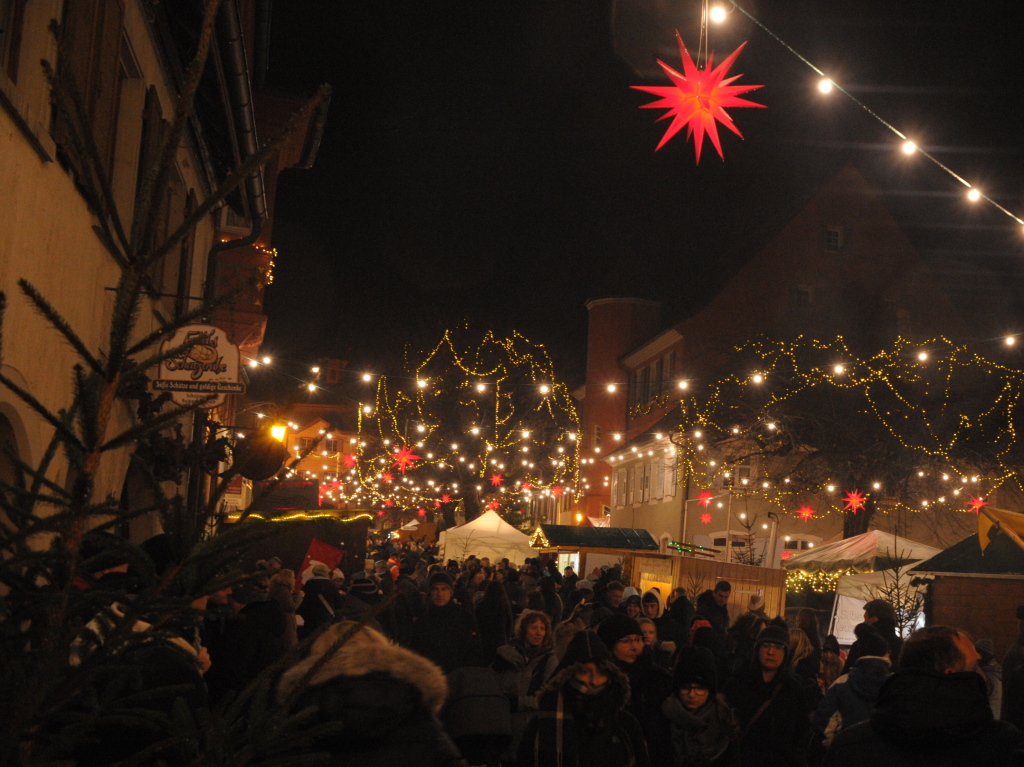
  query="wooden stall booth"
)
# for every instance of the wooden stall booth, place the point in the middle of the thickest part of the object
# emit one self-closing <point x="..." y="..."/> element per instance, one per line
<point x="589" y="548"/>
<point x="697" y="574"/>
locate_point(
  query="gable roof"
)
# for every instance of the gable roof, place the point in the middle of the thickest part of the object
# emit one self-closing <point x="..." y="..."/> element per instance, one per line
<point x="869" y="552"/>
<point x="1001" y="557"/>
<point x="597" y="537"/>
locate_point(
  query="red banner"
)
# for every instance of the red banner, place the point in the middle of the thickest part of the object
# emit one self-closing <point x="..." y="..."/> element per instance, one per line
<point x="319" y="552"/>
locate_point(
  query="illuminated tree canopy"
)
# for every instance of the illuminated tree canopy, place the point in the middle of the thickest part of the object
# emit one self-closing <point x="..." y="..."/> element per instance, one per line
<point x="473" y="421"/>
<point x="926" y="427"/>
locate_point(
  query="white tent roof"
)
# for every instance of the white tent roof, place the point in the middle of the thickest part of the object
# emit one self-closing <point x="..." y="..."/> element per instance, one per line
<point x="868" y="586"/>
<point x="873" y="550"/>
<point x="486" y="536"/>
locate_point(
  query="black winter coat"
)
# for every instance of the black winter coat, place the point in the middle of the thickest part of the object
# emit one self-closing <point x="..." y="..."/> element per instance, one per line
<point x="925" y="718"/>
<point x="448" y="636"/>
<point x="780" y="736"/>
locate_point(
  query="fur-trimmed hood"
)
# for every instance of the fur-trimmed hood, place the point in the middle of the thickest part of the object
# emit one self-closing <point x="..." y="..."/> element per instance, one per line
<point x="366" y="652"/>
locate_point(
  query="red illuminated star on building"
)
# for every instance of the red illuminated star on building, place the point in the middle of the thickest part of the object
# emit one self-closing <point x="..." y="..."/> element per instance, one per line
<point x="388" y="477"/>
<point x="976" y="504"/>
<point x="388" y="502"/>
<point x="421" y="512"/>
<point x="526" y="486"/>
<point x="705" y="518"/>
<point x="805" y="513"/>
<point x="557" y="491"/>
<point x="349" y="460"/>
<point x="497" y="479"/>
<point x="705" y="498"/>
<point x="786" y="554"/>
<point x="437" y="504"/>
<point x="405" y="459"/>
<point x="855" y="500"/>
<point x="446" y="498"/>
<point x="698" y="97"/>
<point x="493" y="505"/>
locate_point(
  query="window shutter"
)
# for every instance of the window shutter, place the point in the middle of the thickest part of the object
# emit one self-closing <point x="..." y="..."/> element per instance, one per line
<point x="631" y="485"/>
<point x="645" y="487"/>
<point x="670" y="480"/>
<point x="108" y="78"/>
<point x="659" y="480"/>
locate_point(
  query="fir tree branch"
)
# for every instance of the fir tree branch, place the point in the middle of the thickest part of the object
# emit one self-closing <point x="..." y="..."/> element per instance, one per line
<point x="37" y="406"/>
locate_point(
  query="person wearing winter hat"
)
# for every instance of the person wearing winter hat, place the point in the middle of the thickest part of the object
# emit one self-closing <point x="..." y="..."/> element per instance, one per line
<point x="446" y="633"/>
<point x="933" y="711"/>
<point x="852" y="696"/>
<point x="704" y="730"/>
<point x="631" y="606"/>
<point x="669" y="630"/>
<point x="649" y="685"/>
<point x="772" y="706"/>
<point x="582" y="719"/>
<point x="756" y="605"/>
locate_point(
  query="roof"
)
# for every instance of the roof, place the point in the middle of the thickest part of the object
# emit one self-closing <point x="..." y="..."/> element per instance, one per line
<point x="868" y="552"/>
<point x="1002" y="557"/>
<point x="598" y="537"/>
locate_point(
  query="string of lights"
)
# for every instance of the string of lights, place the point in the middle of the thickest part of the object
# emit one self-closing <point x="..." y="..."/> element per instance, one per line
<point x="719" y="13"/>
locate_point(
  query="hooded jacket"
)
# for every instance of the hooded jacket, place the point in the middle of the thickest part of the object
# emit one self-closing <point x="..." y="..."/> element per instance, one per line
<point x="926" y="718"/>
<point x="851" y="697"/>
<point x="377" y="702"/>
<point x="669" y="630"/>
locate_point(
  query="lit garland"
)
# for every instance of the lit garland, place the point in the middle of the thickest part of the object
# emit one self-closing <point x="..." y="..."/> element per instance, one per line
<point x="466" y="425"/>
<point x="950" y="410"/>
<point x="819" y="582"/>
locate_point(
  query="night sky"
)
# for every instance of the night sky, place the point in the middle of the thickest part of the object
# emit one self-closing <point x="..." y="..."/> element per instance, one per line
<point x="488" y="161"/>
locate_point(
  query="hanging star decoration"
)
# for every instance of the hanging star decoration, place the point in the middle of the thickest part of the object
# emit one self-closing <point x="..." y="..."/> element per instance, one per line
<point x="350" y="460"/>
<point x="437" y="504"/>
<point x="405" y="459"/>
<point x="705" y="518"/>
<point x="557" y="491"/>
<point x="493" y="505"/>
<point x="805" y="513"/>
<point x="705" y="498"/>
<point x="786" y="554"/>
<point x="446" y="498"/>
<point x="421" y="512"/>
<point x="526" y="486"/>
<point x="698" y="97"/>
<point x="388" y="477"/>
<point x="854" y="500"/>
<point x="496" y="479"/>
<point x="388" y="502"/>
<point x="976" y="504"/>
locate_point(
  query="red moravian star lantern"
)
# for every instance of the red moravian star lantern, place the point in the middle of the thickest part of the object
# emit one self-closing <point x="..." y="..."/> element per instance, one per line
<point x="805" y="513"/>
<point x="705" y="519"/>
<point x="405" y="459"/>
<point x="493" y="505"/>
<point x="705" y="498"/>
<point x="350" y="460"/>
<point x="557" y="491"/>
<point x="446" y="498"/>
<point x="854" y="500"/>
<point x="975" y="504"/>
<point x="698" y="97"/>
<point x="496" y="479"/>
<point x="388" y="477"/>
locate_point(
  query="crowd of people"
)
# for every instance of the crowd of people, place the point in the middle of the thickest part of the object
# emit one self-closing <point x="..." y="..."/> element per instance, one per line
<point x="416" y="661"/>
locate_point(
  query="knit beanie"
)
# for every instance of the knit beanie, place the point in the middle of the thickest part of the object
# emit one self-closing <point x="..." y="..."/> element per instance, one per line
<point x="869" y="641"/>
<point x="831" y="644"/>
<point x="363" y="587"/>
<point x="616" y="627"/>
<point x="583" y="647"/>
<point x="695" y="665"/>
<point x="772" y="633"/>
<point x="442" y="578"/>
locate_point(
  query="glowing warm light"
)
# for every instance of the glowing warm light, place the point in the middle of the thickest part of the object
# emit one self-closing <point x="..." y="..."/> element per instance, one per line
<point x="922" y="356"/>
<point x="909" y="147"/>
<point x="757" y="378"/>
<point x="544" y="389"/>
<point x="367" y="409"/>
<point x="367" y="377"/>
<point x="683" y="385"/>
<point x="315" y="369"/>
<point x="277" y="432"/>
<point x="974" y="195"/>
<point x="311" y="387"/>
<point x="717" y="14"/>
<point x="825" y="85"/>
<point x="253" y="363"/>
<point x="1010" y="340"/>
<point x="481" y="387"/>
<point x="612" y="388"/>
<point x="421" y="383"/>
<point x="266" y="360"/>
<point x="839" y="370"/>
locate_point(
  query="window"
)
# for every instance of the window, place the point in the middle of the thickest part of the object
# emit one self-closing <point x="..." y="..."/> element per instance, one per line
<point x="659" y="377"/>
<point x="305" y="443"/>
<point x="834" y="239"/>
<point x="619" y="489"/>
<point x="12" y="16"/>
<point x="91" y="33"/>
<point x="644" y="474"/>
<point x="331" y="445"/>
<point x="658" y="489"/>
<point x="596" y="438"/>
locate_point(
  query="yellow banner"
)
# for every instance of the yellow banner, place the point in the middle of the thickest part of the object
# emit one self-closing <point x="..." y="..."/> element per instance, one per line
<point x="1009" y="520"/>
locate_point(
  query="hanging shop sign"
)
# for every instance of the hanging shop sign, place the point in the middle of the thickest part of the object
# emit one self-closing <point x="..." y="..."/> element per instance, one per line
<point x="209" y="367"/>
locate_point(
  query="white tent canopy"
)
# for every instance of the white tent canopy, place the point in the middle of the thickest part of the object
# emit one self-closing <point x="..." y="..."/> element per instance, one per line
<point x="865" y="553"/>
<point x="486" y="536"/>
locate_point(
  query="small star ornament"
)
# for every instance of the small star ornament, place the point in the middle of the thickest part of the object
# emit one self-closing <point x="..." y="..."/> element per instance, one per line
<point x="405" y="459"/>
<point x="805" y="513"/>
<point x="705" y="519"/>
<point x="705" y="498"/>
<point x="976" y="504"/>
<point x="497" y="479"/>
<point x="697" y="99"/>
<point x="854" y="500"/>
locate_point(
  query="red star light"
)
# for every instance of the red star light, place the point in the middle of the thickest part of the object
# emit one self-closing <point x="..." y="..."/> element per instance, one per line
<point x="350" y="460"/>
<point x="854" y="500"/>
<point x="705" y="498"/>
<point x="389" y="502"/>
<point x="421" y="512"/>
<point x="437" y="504"/>
<point x="388" y="477"/>
<point x="786" y="554"/>
<point x="557" y="491"/>
<point x="698" y="97"/>
<point x="975" y="504"/>
<point x="805" y="513"/>
<point x="446" y="498"/>
<point x="380" y="513"/>
<point x="493" y="505"/>
<point x="496" y="479"/>
<point x="705" y="518"/>
<point x="526" y="486"/>
<point x="405" y="459"/>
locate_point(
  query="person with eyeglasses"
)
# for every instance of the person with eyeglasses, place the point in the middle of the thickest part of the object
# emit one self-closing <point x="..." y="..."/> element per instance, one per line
<point x="704" y="730"/>
<point x="772" y="706"/>
<point x="649" y="685"/>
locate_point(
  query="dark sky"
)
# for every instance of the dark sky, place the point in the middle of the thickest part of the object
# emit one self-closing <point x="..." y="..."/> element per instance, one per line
<point x="488" y="161"/>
